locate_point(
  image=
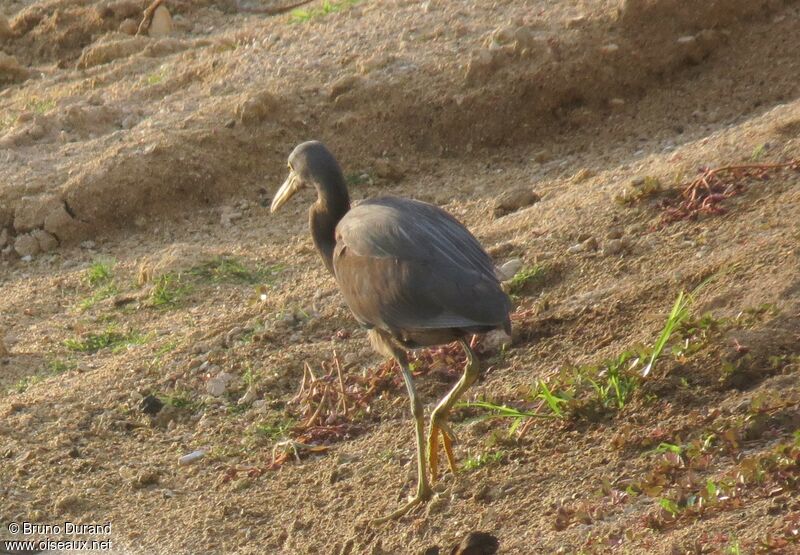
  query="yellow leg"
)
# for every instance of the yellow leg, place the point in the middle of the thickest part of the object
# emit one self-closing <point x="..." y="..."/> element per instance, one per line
<point x="423" y="486"/>
<point x="439" y="422"/>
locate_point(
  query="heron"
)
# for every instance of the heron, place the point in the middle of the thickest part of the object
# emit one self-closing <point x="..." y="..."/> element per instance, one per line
<point x="412" y="275"/>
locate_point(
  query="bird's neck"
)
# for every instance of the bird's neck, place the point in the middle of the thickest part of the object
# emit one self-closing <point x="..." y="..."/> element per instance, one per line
<point x="324" y="215"/>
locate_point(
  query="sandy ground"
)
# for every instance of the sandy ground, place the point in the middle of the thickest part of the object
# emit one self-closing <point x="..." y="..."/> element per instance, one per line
<point x="150" y="306"/>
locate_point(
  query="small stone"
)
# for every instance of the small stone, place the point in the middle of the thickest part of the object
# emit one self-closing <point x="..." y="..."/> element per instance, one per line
<point x="542" y="156"/>
<point x="88" y="245"/>
<point x="616" y="102"/>
<point x="68" y="503"/>
<point x="590" y="244"/>
<point x="511" y="201"/>
<point x="577" y="248"/>
<point x="496" y="340"/>
<point x="375" y="63"/>
<point x="503" y="35"/>
<point x="47" y="243"/>
<point x="129" y="27"/>
<point x="480" y="67"/>
<point x="609" y="48"/>
<point x="343" y="85"/>
<point x="257" y="108"/>
<point x="161" y="24"/>
<point x="388" y="169"/>
<point x="234" y="334"/>
<point x="228" y="216"/>
<point x="31" y="211"/>
<point x="61" y="224"/>
<point x="217" y="385"/>
<point x="613" y="246"/>
<point x="192" y="457"/>
<point x="508" y="270"/>
<point x="145" y="478"/>
<point x="26" y="245"/>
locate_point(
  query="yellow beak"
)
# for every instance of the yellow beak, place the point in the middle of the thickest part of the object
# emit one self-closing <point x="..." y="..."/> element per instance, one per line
<point x="287" y="190"/>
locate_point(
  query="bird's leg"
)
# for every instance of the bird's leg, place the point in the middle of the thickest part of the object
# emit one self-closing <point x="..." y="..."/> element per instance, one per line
<point x="439" y="416"/>
<point x="423" y="486"/>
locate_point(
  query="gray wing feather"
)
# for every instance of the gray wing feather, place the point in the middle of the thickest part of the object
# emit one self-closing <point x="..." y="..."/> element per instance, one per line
<point x="405" y="264"/>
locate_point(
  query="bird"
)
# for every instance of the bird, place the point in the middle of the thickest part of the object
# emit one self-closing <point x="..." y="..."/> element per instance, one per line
<point x="412" y="275"/>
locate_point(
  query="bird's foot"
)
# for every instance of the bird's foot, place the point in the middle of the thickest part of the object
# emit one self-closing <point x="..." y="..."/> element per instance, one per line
<point x="448" y="438"/>
<point x="419" y="498"/>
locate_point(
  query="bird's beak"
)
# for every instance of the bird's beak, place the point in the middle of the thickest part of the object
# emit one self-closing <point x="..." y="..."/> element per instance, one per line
<point x="287" y="190"/>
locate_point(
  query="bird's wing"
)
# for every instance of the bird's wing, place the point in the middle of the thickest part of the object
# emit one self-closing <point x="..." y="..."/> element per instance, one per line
<point x="404" y="264"/>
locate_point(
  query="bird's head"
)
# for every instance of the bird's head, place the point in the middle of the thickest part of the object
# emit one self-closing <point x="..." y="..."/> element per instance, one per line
<point x="311" y="164"/>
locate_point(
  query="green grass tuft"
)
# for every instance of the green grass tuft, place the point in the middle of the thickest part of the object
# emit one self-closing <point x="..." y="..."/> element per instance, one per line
<point x="40" y="105"/>
<point x="100" y="272"/>
<point x="679" y="314"/>
<point x="181" y="400"/>
<point x="484" y="459"/>
<point x="228" y="269"/>
<point x="110" y="338"/>
<point x="168" y="291"/>
<point x="302" y="15"/>
<point x="525" y="277"/>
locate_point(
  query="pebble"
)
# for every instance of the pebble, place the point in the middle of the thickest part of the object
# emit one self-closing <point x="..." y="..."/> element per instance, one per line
<point x="508" y="270"/>
<point x="511" y="201"/>
<point x="161" y="24"/>
<point x="234" y="334"/>
<point x="542" y="156"/>
<point x="192" y="457"/>
<point x="47" y="242"/>
<point x="228" y="216"/>
<point x="374" y="63"/>
<point x="342" y="85"/>
<point x="588" y="245"/>
<point x="129" y="27"/>
<point x="613" y="246"/>
<point x="388" y="169"/>
<point x="496" y="340"/>
<point x="88" y="245"/>
<point x="257" y="107"/>
<point x="610" y="48"/>
<point x="26" y="245"/>
<point x="481" y="65"/>
<point x="217" y="385"/>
